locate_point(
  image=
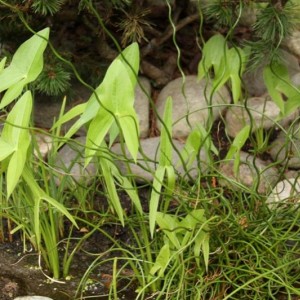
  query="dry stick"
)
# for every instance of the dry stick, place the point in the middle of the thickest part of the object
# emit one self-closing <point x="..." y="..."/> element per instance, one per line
<point x="154" y="43"/>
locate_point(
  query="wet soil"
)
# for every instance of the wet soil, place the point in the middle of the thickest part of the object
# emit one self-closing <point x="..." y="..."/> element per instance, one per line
<point x="22" y="275"/>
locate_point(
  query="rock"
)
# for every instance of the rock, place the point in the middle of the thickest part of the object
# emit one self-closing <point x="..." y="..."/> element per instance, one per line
<point x="70" y="161"/>
<point x="249" y="16"/>
<point x="141" y="105"/>
<point x="254" y="82"/>
<point x="296" y="79"/>
<point x="44" y="144"/>
<point x="145" y="168"/>
<point x="285" y="193"/>
<point x="286" y="148"/>
<point x="264" y="114"/>
<point x="247" y="175"/>
<point x="292" y="43"/>
<point x="195" y="103"/>
<point x="33" y="298"/>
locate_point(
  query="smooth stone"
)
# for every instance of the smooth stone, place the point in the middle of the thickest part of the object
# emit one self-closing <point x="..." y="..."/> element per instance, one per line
<point x="247" y="176"/>
<point x="141" y="105"/>
<point x="286" y="192"/>
<point x="296" y="79"/>
<point x="147" y="163"/>
<point x="264" y="114"/>
<point x="194" y="102"/>
<point x="33" y="298"/>
<point x="286" y="148"/>
<point x="44" y="144"/>
<point x="292" y="43"/>
<point x="254" y="82"/>
<point x="70" y="161"/>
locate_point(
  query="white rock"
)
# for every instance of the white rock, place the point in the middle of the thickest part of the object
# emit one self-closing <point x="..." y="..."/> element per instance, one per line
<point x="141" y="105"/>
<point x="254" y="82"/>
<point x="252" y="172"/>
<point x="33" y="298"/>
<point x="286" y="148"/>
<point x="194" y="102"/>
<point x="70" y="161"/>
<point x="264" y="114"/>
<point x="147" y="163"/>
<point x="286" y="192"/>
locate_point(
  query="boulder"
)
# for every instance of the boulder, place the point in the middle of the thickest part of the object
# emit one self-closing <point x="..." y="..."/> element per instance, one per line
<point x="252" y="173"/>
<point x="70" y="161"/>
<point x="286" y="148"/>
<point x="147" y="163"/>
<point x="261" y="112"/>
<point x="192" y="104"/>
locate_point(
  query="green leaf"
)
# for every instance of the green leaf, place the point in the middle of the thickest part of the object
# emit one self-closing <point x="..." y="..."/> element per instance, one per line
<point x="72" y="113"/>
<point x="165" y="150"/>
<point x="26" y="65"/>
<point x="132" y="56"/>
<point x="130" y="129"/>
<point x="16" y="134"/>
<point x="155" y="195"/>
<point x="96" y="133"/>
<point x="13" y="131"/>
<point x="236" y="59"/>
<point x="161" y="262"/>
<point x="111" y="189"/>
<point x="273" y="77"/>
<point x="238" y="142"/>
<point x="213" y="53"/>
<point x="5" y="149"/>
<point x="123" y="181"/>
<point x="2" y="64"/>
<point x="15" y="167"/>
<point x="170" y="226"/>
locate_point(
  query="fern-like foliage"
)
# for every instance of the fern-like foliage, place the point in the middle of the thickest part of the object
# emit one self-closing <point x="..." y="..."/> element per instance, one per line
<point x="274" y="23"/>
<point x="45" y="7"/>
<point x="53" y="81"/>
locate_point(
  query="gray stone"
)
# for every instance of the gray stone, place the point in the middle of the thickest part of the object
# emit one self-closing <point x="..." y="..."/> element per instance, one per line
<point x="286" y="192"/>
<point x="286" y="148"/>
<point x="33" y="298"/>
<point x="70" y="161"/>
<point x="141" y="105"/>
<point x="252" y="173"/>
<point x="292" y="43"/>
<point x="148" y="161"/>
<point x="195" y="102"/>
<point x="296" y="79"/>
<point x="254" y="82"/>
<point x="264" y="114"/>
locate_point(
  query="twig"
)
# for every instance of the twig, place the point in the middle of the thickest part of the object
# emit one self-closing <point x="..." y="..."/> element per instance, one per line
<point x="154" y="43"/>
